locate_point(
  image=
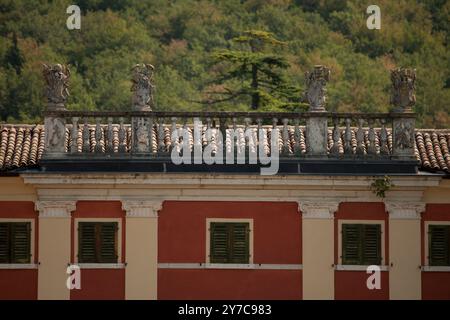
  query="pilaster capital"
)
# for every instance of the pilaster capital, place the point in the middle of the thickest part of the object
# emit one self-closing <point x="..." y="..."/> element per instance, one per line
<point x="404" y="210"/>
<point x="55" y="209"/>
<point x="142" y="209"/>
<point x="318" y="209"/>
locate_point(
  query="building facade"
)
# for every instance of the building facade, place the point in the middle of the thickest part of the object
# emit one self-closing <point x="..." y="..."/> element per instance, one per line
<point x="106" y="202"/>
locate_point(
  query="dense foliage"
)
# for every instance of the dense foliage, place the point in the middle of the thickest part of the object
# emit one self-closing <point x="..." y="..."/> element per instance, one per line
<point x="184" y="38"/>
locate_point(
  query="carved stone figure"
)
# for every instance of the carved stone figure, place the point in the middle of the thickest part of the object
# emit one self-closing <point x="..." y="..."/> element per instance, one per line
<point x="142" y="139"/>
<point x="143" y="87"/>
<point x="316" y="82"/>
<point x="55" y="132"/>
<point x="57" y="80"/>
<point x="403" y="86"/>
<point x="403" y="138"/>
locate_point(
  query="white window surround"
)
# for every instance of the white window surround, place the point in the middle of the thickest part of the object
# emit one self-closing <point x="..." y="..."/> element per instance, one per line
<point x="228" y="220"/>
<point x="427" y="267"/>
<point x="18" y="266"/>
<point x="343" y="267"/>
<point x="254" y="266"/>
<point x="31" y="265"/>
<point x="351" y="267"/>
<point x="99" y="265"/>
<point x="119" y="243"/>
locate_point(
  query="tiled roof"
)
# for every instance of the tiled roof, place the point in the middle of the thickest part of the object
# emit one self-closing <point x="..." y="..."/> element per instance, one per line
<point x="23" y="145"/>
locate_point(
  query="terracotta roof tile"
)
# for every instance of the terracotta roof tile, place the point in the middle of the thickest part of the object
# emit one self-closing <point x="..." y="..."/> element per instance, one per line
<point x="23" y="145"/>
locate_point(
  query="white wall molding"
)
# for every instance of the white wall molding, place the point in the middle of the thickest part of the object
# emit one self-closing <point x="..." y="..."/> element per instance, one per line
<point x="18" y="266"/>
<point x="435" y="268"/>
<point x="142" y="209"/>
<point x="253" y="266"/>
<point x="318" y="209"/>
<point x="55" y="209"/>
<point x="218" y="187"/>
<point x="404" y="210"/>
<point x="347" y="267"/>
<point x="181" y="180"/>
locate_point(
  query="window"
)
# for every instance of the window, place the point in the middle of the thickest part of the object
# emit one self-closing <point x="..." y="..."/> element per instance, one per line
<point x="361" y="244"/>
<point x="229" y="242"/>
<point x="15" y="242"/>
<point x="439" y="245"/>
<point x="97" y="242"/>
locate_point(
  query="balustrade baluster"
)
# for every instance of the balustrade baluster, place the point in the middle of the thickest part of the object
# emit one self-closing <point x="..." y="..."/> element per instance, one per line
<point x="336" y="137"/>
<point x="372" y="147"/>
<point x="384" y="149"/>
<point x="74" y="135"/>
<point x="161" y="144"/>
<point x="122" y="137"/>
<point x="285" y="137"/>
<point x="348" y="137"/>
<point x="360" y="138"/>
<point x="98" y="135"/>
<point x="297" y="137"/>
<point x="86" y="135"/>
<point x="109" y="148"/>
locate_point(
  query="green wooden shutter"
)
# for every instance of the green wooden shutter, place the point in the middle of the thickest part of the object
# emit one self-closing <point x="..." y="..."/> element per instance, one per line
<point x="219" y="242"/>
<point x="4" y="243"/>
<point x="351" y="244"/>
<point x="239" y="234"/>
<point x="229" y="242"/>
<point x="97" y="242"/>
<point x="371" y="242"/>
<point x="108" y="248"/>
<point x="438" y="245"/>
<point x="87" y="242"/>
<point x="20" y="242"/>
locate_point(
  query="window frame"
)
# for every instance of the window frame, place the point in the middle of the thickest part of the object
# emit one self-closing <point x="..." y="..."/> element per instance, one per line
<point x="427" y="244"/>
<point x="340" y="242"/>
<point x="208" y="241"/>
<point x="26" y="265"/>
<point x="119" y="242"/>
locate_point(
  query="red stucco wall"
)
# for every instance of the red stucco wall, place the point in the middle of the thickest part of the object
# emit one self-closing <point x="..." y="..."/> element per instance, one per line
<point x="352" y="284"/>
<point x="182" y="239"/>
<point x="435" y="285"/>
<point x="20" y="283"/>
<point x="229" y="284"/>
<point x="100" y="283"/>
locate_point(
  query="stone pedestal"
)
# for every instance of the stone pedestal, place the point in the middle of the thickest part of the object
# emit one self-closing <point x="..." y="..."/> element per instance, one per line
<point x="316" y="136"/>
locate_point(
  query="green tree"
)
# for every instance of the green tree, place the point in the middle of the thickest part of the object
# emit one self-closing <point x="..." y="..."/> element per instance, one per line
<point x="14" y="57"/>
<point x="258" y="72"/>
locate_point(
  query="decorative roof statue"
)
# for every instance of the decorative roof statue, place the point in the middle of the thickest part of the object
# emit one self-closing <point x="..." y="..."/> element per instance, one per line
<point x="57" y="79"/>
<point x="403" y="86"/>
<point x="316" y="82"/>
<point x="143" y="87"/>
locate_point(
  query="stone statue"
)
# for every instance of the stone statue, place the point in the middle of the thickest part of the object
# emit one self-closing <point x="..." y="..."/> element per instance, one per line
<point x="404" y="135"/>
<point x="143" y="87"/>
<point x="142" y="136"/>
<point x="316" y="82"/>
<point x="57" y="79"/>
<point x="403" y="86"/>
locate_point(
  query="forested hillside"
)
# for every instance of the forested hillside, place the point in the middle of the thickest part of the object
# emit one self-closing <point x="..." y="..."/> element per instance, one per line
<point x="185" y="40"/>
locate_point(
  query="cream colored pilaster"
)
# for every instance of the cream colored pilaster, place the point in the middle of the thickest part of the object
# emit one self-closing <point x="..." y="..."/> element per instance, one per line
<point x="318" y="249"/>
<point x="54" y="248"/>
<point x="404" y="249"/>
<point x="141" y="249"/>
